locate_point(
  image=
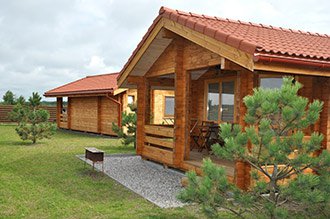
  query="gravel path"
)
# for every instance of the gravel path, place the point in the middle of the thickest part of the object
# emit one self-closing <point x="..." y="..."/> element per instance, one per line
<point x="150" y="180"/>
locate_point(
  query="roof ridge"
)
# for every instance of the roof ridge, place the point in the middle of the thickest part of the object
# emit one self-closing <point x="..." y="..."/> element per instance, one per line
<point x="105" y="74"/>
<point x="165" y="9"/>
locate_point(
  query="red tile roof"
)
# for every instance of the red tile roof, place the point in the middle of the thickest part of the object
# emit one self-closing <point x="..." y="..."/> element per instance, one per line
<point x="96" y="84"/>
<point x="252" y="38"/>
<point x="249" y="37"/>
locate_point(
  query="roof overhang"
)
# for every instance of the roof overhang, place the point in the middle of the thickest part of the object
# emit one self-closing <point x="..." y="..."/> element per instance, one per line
<point x="153" y="45"/>
<point x="102" y="92"/>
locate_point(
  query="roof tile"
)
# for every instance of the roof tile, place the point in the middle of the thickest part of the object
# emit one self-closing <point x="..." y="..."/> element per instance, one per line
<point x="250" y="37"/>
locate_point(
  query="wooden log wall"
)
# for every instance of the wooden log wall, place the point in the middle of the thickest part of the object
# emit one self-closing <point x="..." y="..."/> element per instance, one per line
<point x="5" y="109"/>
<point x="91" y="114"/>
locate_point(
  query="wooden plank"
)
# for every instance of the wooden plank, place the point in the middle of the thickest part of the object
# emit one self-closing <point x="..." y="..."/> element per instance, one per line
<point x="164" y="142"/>
<point x="290" y="69"/>
<point x="159" y="130"/>
<point x="157" y="154"/>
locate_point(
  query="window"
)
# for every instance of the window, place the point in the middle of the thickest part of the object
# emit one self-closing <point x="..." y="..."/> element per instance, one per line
<point x="227" y="101"/>
<point x="271" y="82"/>
<point x="169" y="106"/>
<point x="130" y="99"/>
<point x="220" y="101"/>
<point x="213" y="102"/>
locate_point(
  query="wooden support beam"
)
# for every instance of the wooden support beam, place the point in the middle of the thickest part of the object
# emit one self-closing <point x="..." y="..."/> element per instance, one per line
<point x="59" y="104"/>
<point x="181" y="126"/>
<point x="246" y="82"/>
<point x="69" y="112"/>
<point x="162" y="82"/>
<point x="143" y="93"/>
<point x="289" y="69"/>
<point x="161" y="72"/>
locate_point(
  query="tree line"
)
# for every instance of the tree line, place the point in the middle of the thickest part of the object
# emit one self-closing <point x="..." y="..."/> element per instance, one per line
<point x="9" y="98"/>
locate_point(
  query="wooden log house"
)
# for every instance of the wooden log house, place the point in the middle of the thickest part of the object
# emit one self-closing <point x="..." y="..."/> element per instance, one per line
<point x="93" y="103"/>
<point x="211" y="64"/>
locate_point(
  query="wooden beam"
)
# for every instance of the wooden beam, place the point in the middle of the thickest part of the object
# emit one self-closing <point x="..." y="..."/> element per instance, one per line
<point x="161" y="72"/>
<point x="162" y="82"/>
<point x="59" y="104"/>
<point x="69" y="112"/>
<point x="224" y="50"/>
<point x="134" y="79"/>
<point x="159" y="130"/>
<point x="159" y="141"/>
<point x="290" y="69"/>
<point x="181" y="126"/>
<point x="142" y="103"/>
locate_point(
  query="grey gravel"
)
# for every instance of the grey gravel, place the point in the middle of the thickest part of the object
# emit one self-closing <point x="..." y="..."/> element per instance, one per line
<point x="152" y="181"/>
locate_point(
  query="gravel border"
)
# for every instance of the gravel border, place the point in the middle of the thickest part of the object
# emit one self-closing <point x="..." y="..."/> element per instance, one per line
<point x="152" y="181"/>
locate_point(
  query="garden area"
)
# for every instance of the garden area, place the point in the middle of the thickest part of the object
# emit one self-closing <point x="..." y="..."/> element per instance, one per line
<point x="47" y="180"/>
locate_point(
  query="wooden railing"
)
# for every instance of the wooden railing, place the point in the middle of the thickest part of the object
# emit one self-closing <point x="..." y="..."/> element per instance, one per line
<point x="159" y="143"/>
<point x="63" y="117"/>
<point x="63" y="120"/>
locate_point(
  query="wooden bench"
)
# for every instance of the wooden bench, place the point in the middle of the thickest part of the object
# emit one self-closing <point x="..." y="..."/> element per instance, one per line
<point x="95" y="155"/>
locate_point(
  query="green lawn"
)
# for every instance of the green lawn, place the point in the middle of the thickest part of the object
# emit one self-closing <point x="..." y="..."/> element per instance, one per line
<point x="46" y="180"/>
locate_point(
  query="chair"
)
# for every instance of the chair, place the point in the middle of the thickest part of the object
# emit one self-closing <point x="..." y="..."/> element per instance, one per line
<point x="201" y="135"/>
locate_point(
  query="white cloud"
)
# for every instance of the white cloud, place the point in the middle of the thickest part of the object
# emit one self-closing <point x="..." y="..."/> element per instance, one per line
<point x="97" y="65"/>
<point x="46" y="43"/>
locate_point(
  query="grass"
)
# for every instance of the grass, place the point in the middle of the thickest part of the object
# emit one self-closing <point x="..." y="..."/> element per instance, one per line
<point x="46" y="180"/>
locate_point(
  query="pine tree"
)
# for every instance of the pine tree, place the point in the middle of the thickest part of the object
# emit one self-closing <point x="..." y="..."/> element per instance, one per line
<point x="127" y="131"/>
<point x="273" y="145"/>
<point x="9" y="98"/>
<point x="20" y="100"/>
<point x="32" y="121"/>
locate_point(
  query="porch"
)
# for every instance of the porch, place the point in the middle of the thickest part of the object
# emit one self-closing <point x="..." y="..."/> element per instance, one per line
<point x="199" y="85"/>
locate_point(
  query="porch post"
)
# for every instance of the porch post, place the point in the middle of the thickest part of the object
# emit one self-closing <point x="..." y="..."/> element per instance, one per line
<point x="325" y="114"/>
<point x="182" y="87"/>
<point x="59" y="103"/>
<point x="68" y="110"/>
<point x="246" y="82"/>
<point x="142" y="112"/>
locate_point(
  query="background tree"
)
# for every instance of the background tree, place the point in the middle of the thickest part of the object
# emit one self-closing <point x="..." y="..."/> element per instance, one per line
<point x="273" y="145"/>
<point x="127" y="131"/>
<point x="20" y="100"/>
<point x="32" y="121"/>
<point x="9" y="98"/>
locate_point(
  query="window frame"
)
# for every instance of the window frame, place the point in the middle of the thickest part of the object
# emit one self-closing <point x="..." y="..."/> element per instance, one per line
<point x="219" y="81"/>
<point x="164" y="108"/>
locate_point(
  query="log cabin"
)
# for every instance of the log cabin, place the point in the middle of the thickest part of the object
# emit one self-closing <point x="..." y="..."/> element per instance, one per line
<point x="211" y="64"/>
<point x="95" y="102"/>
<point x="92" y="103"/>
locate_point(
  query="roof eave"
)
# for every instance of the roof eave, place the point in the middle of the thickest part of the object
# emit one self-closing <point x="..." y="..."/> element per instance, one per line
<point x="73" y="93"/>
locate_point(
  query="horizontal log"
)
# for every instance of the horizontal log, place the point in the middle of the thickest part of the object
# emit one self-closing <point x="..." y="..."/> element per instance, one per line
<point x="157" y="154"/>
<point x="159" y="130"/>
<point x="164" y="142"/>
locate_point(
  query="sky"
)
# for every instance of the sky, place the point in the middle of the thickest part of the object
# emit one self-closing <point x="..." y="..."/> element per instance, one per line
<point x="47" y="43"/>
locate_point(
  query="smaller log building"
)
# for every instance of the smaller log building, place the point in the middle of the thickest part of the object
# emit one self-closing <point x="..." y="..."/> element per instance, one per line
<point x="93" y="103"/>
